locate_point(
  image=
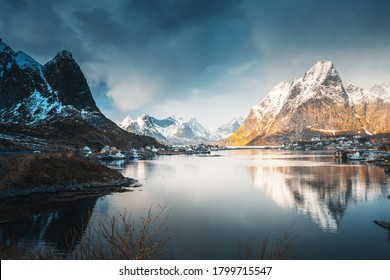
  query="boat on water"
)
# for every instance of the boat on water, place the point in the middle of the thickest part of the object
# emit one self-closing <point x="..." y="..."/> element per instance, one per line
<point x="133" y="154"/>
<point x="356" y="157"/>
<point x="117" y="156"/>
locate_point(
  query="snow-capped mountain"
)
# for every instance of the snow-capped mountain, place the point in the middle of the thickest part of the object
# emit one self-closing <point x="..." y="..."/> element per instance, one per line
<point x="162" y="130"/>
<point x="227" y="129"/>
<point x="319" y="103"/>
<point x="171" y="130"/>
<point x="32" y="93"/>
<point x="52" y="103"/>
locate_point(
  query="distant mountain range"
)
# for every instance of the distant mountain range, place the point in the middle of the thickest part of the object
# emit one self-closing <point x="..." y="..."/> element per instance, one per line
<point x="51" y="106"/>
<point x="176" y="131"/>
<point x="319" y="103"/>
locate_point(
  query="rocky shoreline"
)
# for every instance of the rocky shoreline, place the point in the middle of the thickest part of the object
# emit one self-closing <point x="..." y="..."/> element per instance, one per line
<point x="67" y="177"/>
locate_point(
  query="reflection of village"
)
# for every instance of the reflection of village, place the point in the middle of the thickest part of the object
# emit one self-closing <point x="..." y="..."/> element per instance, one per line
<point x="322" y="193"/>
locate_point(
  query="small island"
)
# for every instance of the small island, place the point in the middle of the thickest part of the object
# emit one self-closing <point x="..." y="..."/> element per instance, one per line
<point x="67" y="176"/>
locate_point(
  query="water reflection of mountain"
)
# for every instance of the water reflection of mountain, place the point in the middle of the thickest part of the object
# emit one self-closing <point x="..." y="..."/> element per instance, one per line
<point x="323" y="193"/>
<point x="39" y="223"/>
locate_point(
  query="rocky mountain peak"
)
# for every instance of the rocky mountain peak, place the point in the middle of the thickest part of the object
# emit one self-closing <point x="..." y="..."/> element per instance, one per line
<point x="144" y="116"/>
<point x="322" y="80"/>
<point x="66" y="78"/>
<point x="64" y="54"/>
<point x="323" y="72"/>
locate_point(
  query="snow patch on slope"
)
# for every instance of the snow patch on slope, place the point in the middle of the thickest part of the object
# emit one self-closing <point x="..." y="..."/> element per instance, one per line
<point x="25" y="61"/>
<point x="273" y="102"/>
<point x="40" y="106"/>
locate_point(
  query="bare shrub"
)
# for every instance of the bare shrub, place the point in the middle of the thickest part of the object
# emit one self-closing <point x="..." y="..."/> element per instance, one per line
<point x="120" y="238"/>
<point x="279" y="249"/>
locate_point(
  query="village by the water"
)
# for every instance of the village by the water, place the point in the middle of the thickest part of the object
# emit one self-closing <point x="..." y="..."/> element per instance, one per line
<point x="345" y="148"/>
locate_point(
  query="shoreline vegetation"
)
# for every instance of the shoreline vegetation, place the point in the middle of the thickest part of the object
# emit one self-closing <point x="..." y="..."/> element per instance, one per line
<point x="115" y="237"/>
<point x="67" y="176"/>
<point x="121" y="237"/>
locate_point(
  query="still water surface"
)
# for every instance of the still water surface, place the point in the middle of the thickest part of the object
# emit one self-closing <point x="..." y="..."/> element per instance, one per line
<point x="244" y="195"/>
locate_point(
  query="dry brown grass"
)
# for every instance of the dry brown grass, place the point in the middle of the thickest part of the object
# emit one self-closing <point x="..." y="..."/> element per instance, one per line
<point x="30" y="170"/>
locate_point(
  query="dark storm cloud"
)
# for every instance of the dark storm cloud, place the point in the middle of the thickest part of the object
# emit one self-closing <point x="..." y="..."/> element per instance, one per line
<point x="147" y="52"/>
<point x="100" y="27"/>
<point x="33" y="26"/>
<point x="179" y="38"/>
<point x="315" y="23"/>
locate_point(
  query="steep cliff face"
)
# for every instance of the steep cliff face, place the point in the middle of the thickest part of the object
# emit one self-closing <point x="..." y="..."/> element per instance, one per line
<point x="372" y="111"/>
<point x="260" y="119"/>
<point x="52" y="105"/>
<point x="319" y="103"/>
<point x="66" y="78"/>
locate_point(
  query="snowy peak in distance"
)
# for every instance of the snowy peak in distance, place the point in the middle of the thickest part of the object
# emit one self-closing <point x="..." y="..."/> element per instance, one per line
<point x="176" y="131"/>
<point x="170" y="130"/>
<point x="147" y="125"/>
<point x="382" y="90"/>
<point x="227" y="129"/>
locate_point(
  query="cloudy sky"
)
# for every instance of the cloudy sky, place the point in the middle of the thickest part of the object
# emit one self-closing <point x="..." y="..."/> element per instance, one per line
<point x="209" y="59"/>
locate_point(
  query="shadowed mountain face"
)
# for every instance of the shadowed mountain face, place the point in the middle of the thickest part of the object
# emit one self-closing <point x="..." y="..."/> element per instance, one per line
<point x="66" y="78"/>
<point x="53" y="105"/>
<point x="318" y="103"/>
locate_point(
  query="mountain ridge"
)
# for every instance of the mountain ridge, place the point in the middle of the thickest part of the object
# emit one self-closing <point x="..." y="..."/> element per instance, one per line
<point x="176" y="131"/>
<point x="317" y="103"/>
<point x="53" y="104"/>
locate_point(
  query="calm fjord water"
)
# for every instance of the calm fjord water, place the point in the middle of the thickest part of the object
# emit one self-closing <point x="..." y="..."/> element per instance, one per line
<point x="247" y="194"/>
<point x="244" y="195"/>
